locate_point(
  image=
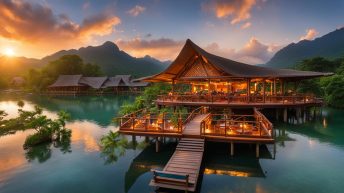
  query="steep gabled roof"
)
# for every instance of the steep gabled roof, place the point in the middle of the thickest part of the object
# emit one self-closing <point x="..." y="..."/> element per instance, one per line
<point x="219" y="67"/>
<point x="67" y="80"/>
<point x="118" y="80"/>
<point x="94" y="82"/>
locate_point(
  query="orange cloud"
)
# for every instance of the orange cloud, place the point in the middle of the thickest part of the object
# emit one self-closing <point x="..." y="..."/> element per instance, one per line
<point x="238" y="10"/>
<point x="310" y="34"/>
<point x="137" y="10"/>
<point x="33" y="25"/>
<point x="163" y="48"/>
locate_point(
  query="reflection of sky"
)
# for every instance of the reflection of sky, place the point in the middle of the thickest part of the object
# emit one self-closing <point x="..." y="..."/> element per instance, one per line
<point x="85" y="135"/>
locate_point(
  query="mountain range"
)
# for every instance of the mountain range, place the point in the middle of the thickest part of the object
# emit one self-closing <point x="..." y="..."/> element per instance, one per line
<point x="328" y="46"/>
<point x="114" y="61"/>
<point x="108" y="56"/>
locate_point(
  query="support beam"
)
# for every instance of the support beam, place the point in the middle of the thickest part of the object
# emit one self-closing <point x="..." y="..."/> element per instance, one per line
<point x="257" y="150"/>
<point x="248" y="81"/>
<point x="275" y="86"/>
<point x="285" y="115"/>
<point x="157" y="145"/>
<point x="232" y="148"/>
<point x="264" y="90"/>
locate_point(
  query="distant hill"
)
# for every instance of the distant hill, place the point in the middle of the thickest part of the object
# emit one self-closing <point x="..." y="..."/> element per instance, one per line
<point x="329" y="46"/>
<point x="108" y="56"/>
<point x="16" y="66"/>
<point x="112" y="60"/>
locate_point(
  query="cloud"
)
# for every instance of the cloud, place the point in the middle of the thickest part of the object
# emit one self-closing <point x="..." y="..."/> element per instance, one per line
<point x="310" y="34"/>
<point x="246" y="25"/>
<point x="236" y="10"/>
<point x="137" y="10"/>
<point x="36" y="24"/>
<point x="254" y="52"/>
<point x="86" y="5"/>
<point x="162" y="49"/>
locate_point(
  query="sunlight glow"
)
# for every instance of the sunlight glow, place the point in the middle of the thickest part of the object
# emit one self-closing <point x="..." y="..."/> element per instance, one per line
<point x="9" y="52"/>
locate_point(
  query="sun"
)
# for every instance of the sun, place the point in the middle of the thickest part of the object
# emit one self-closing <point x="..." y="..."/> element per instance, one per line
<point x="9" y="52"/>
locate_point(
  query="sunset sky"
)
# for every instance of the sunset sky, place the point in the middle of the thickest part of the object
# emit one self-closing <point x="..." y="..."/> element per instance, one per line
<point x="246" y="30"/>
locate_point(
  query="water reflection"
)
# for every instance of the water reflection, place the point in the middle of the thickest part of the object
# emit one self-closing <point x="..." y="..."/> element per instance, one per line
<point x="325" y="128"/>
<point x="148" y="159"/>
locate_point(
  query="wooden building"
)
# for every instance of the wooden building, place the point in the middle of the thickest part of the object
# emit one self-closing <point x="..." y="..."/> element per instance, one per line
<point x="217" y="88"/>
<point x="219" y="95"/>
<point x="78" y="84"/>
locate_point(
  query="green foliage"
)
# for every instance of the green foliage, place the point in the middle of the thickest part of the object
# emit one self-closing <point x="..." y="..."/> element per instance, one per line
<point x="47" y="130"/>
<point x="3" y="83"/>
<point x="319" y="64"/>
<point x="146" y="100"/>
<point x="113" y="146"/>
<point x="67" y="64"/>
<point x="335" y="91"/>
<point x="330" y="88"/>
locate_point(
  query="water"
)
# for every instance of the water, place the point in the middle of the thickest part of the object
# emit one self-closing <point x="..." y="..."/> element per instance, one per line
<point x="309" y="157"/>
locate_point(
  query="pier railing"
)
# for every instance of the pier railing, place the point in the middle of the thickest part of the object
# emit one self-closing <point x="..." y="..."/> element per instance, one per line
<point x="144" y="121"/>
<point x="227" y="125"/>
<point x="228" y="99"/>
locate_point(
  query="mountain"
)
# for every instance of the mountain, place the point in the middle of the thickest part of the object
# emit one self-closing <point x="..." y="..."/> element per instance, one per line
<point x="330" y="46"/>
<point x="108" y="56"/>
<point x="16" y="66"/>
<point x="112" y="60"/>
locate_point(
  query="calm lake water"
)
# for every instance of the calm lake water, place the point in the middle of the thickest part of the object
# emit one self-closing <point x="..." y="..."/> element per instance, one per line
<point x="309" y="157"/>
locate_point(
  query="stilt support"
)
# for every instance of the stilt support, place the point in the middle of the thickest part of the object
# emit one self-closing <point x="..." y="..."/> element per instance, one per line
<point x="232" y="148"/>
<point x="257" y="150"/>
<point x="285" y="115"/>
<point x="157" y="145"/>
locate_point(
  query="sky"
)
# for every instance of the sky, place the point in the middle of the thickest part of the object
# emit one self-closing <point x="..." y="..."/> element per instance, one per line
<point x="249" y="31"/>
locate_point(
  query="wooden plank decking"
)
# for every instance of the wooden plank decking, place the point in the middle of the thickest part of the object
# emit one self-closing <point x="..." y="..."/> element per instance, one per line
<point x="186" y="160"/>
<point x="193" y="127"/>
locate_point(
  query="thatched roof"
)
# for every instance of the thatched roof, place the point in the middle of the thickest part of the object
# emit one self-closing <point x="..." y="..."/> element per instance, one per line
<point x="123" y="80"/>
<point x="67" y="81"/>
<point x="195" y="63"/>
<point x="94" y="82"/>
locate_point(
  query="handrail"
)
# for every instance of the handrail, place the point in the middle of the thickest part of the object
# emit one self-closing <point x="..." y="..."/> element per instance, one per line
<point x="260" y="126"/>
<point x="192" y="114"/>
<point x="227" y="98"/>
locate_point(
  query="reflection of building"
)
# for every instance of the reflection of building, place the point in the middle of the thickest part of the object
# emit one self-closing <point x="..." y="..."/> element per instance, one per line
<point x="78" y="84"/>
<point x="146" y="161"/>
<point x="244" y="165"/>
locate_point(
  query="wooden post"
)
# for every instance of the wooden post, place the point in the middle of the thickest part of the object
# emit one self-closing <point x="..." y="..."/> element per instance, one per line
<point x="173" y="87"/>
<point x="157" y="145"/>
<point x="257" y="150"/>
<point x="248" y="90"/>
<point x="285" y="115"/>
<point x="275" y="86"/>
<point x="232" y="148"/>
<point x="264" y="90"/>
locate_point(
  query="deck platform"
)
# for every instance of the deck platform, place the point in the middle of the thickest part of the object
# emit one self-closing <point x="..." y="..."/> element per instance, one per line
<point x="192" y="128"/>
<point x="186" y="160"/>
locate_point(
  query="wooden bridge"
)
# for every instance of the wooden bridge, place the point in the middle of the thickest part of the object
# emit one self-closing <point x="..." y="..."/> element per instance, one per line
<point x="182" y="170"/>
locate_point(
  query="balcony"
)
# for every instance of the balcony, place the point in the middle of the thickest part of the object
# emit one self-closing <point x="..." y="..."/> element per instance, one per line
<point x="238" y="100"/>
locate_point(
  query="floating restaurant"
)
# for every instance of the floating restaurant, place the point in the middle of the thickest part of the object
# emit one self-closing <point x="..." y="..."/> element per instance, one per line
<point x="225" y="99"/>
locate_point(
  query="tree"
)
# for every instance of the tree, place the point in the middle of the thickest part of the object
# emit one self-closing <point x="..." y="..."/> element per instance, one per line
<point x="335" y="91"/>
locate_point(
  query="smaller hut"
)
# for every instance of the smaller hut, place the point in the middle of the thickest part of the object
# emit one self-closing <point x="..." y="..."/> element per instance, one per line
<point x="17" y="81"/>
<point x="94" y="84"/>
<point x="67" y="84"/>
<point x="124" y="83"/>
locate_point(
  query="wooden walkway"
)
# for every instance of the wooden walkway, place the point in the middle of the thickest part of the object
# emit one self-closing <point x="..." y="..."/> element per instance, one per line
<point x="186" y="160"/>
<point x="193" y="128"/>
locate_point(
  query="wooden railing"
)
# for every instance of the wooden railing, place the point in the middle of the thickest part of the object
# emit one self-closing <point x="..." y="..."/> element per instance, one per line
<point x="225" y="98"/>
<point x="256" y="125"/>
<point x="144" y="121"/>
